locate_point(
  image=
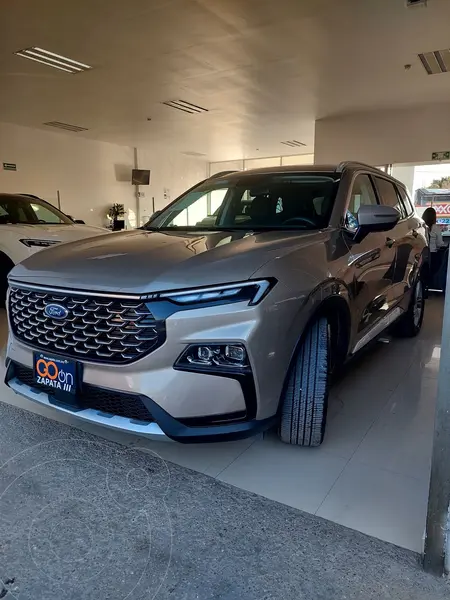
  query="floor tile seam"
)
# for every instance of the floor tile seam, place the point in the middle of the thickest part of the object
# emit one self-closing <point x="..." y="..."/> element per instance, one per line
<point x="355" y="450"/>
<point x="386" y="470"/>
<point x="235" y="459"/>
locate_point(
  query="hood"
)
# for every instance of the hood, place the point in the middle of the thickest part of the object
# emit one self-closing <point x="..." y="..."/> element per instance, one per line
<point x="62" y="233"/>
<point x="144" y="261"/>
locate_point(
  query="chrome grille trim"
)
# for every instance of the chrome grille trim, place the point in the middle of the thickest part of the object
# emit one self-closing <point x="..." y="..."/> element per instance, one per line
<point x="42" y="289"/>
<point x="102" y="329"/>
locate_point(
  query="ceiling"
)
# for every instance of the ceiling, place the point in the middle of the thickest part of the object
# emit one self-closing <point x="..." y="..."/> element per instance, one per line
<point x="264" y="69"/>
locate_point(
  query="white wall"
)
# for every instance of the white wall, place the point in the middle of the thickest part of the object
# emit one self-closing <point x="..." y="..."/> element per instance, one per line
<point x="90" y="175"/>
<point x="384" y="137"/>
<point x="171" y="174"/>
<point x="405" y="174"/>
<point x="258" y="163"/>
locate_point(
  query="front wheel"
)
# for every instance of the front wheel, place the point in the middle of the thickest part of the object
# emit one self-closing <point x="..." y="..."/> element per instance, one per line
<point x="410" y="324"/>
<point x="305" y="399"/>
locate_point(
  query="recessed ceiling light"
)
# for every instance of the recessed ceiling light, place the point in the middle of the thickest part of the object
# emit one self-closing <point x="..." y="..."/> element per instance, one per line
<point x="184" y="106"/>
<point x="57" y="61"/>
<point x="192" y="153"/>
<point x="293" y="143"/>
<point x="66" y="126"/>
<point x="435" y="62"/>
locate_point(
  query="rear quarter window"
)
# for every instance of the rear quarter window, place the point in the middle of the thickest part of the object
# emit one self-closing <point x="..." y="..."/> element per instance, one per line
<point x="389" y="195"/>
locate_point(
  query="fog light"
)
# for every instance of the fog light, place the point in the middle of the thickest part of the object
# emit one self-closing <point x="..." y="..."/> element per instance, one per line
<point x="236" y="353"/>
<point x="205" y="353"/>
<point x="215" y="356"/>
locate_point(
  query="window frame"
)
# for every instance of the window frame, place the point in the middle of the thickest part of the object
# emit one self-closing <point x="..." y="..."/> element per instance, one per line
<point x="404" y="214"/>
<point x="355" y="175"/>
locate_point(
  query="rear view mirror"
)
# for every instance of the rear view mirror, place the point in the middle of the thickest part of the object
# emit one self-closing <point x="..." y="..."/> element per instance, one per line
<point x="375" y="218"/>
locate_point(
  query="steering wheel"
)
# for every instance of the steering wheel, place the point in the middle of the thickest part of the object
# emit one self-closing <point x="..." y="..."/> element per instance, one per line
<point x="300" y="219"/>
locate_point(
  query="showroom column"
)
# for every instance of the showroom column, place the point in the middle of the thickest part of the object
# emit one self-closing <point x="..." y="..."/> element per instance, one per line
<point x="137" y="193"/>
<point x="437" y="540"/>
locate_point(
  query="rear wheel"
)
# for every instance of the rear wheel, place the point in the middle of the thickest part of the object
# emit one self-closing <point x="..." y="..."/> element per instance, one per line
<point x="410" y="324"/>
<point x="6" y="265"/>
<point x="305" y="399"/>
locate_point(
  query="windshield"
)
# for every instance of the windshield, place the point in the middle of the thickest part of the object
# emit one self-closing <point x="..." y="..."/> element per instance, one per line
<point x="269" y="201"/>
<point x="29" y="211"/>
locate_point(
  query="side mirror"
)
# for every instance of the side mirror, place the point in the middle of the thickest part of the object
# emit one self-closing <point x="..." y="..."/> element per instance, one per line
<point x="79" y="221"/>
<point x="375" y="218"/>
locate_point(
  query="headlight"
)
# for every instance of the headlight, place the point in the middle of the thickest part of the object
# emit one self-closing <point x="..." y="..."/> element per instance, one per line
<point x="251" y="291"/>
<point x="39" y="243"/>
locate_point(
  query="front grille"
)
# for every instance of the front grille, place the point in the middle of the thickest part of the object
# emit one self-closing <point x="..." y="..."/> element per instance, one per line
<point x="107" y="401"/>
<point x="96" y="329"/>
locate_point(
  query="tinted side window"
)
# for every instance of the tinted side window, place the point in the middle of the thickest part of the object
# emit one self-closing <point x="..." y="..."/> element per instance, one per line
<point x="362" y="194"/>
<point x="388" y="195"/>
<point x="406" y="200"/>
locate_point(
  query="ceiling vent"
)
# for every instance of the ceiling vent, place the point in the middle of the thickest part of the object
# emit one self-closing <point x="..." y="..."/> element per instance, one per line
<point x="294" y="143"/>
<point x="53" y="60"/>
<point x="65" y="126"/>
<point x="184" y="106"/>
<point x="436" y="62"/>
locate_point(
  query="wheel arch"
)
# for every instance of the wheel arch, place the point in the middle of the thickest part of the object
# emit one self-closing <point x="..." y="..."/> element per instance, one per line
<point x="332" y="303"/>
<point x="336" y="309"/>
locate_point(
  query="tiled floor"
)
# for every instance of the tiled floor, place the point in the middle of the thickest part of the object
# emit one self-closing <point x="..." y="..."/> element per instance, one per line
<point x="372" y="472"/>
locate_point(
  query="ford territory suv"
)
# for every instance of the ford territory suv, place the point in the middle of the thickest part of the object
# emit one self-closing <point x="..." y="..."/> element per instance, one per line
<point x="228" y="312"/>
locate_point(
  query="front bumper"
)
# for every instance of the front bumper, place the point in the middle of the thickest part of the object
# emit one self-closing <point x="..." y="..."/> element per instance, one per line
<point x="164" y="427"/>
<point x="187" y="405"/>
<point x="184" y="406"/>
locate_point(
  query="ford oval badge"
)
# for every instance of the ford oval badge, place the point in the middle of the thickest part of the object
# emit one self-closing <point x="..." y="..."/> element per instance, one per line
<point x="56" y="311"/>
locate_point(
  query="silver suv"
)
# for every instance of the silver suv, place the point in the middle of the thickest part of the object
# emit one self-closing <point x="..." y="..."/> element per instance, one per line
<point x="227" y="313"/>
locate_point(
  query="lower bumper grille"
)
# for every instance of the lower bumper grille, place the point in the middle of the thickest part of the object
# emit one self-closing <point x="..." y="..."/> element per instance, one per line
<point x="101" y="399"/>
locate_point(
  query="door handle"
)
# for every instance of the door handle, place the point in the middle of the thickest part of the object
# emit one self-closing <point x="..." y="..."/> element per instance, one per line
<point x="389" y="242"/>
<point x="361" y="260"/>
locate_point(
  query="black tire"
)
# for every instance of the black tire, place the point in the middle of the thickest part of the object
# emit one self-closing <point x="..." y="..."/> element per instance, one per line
<point x="6" y="265"/>
<point x="305" y="399"/>
<point x="410" y="324"/>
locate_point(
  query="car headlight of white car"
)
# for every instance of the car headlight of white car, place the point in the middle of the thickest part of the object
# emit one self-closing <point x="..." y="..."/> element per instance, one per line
<point x="30" y="243"/>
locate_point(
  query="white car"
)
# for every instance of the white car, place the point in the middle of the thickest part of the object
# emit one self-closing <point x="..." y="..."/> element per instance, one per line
<point x="28" y="224"/>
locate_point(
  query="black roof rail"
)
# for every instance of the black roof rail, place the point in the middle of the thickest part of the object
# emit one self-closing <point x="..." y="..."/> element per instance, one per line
<point x="350" y="163"/>
<point x="221" y="173"/>
<point x="354" y="163"/>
